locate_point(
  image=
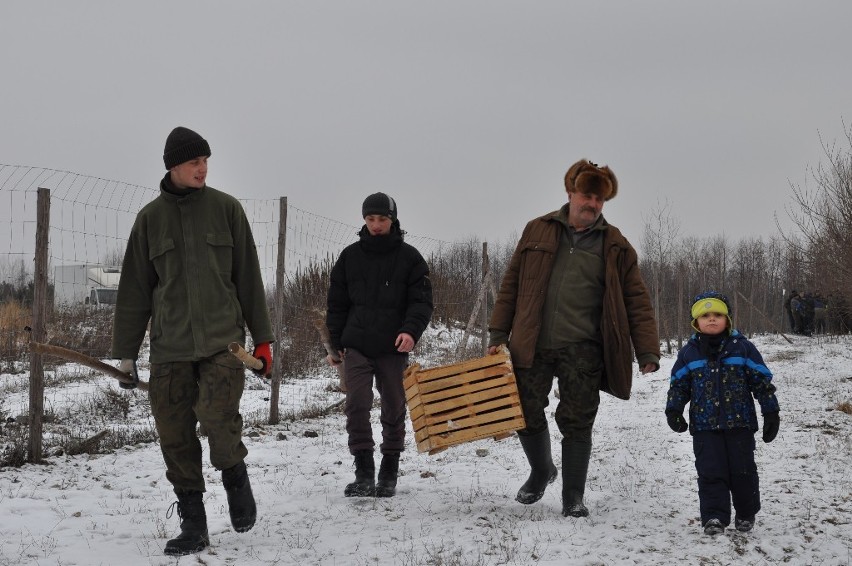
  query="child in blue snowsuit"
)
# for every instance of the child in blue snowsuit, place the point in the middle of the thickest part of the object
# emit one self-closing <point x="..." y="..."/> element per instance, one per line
<point x="720" y="373"/>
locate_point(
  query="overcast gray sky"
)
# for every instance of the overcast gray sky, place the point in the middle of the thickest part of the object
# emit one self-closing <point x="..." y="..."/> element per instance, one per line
<point x="468" y="113"/>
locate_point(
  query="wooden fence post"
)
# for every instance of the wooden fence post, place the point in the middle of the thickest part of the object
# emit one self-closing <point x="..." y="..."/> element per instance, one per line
<point x="36" y="412"/>
<point x="484" y="297"/>
<point x="278" y="324"/>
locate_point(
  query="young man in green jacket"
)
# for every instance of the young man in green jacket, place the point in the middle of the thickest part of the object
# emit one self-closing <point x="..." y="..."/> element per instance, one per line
<point x="191" y="269"/>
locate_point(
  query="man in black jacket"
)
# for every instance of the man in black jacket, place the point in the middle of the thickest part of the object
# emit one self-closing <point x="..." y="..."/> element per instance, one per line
<point x="379" y="303"/>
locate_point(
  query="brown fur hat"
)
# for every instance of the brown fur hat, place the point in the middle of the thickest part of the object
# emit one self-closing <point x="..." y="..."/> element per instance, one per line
<point x="587" y="177"/>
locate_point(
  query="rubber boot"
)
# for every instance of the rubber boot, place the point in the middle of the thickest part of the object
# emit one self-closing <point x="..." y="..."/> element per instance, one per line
<point x="241" y="505"/>
<point x="365" y="476"/>
<point x="193" y="535"/>
<point x="542" y="470"/>
<point x="575" y="466"/>
<point x="388" y="472"/>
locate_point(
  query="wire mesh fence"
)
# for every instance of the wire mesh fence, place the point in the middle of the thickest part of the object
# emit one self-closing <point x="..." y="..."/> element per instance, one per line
<point x="89" y="223"/>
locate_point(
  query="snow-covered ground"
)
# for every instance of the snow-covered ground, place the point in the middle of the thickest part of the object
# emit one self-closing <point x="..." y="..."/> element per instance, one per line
<point x="457" y="507"/>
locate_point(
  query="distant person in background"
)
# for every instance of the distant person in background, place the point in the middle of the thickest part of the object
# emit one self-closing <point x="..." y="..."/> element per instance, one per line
<point x="820" y="314"/>
<point x="572" y="304"/>
<point x="379" y="304"/>
<point x="720" y="373"/>
<point x="191" y="269"/>
<point x="797" y="308"/>
<point x="807" y="304"/>
<point x="789" y="309"/>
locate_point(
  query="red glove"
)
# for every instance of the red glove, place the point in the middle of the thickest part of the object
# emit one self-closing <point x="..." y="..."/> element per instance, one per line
<point x="263" y="352"/>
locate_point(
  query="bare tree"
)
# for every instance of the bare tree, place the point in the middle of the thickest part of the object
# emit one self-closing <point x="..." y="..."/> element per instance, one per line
<point x="658" y="239"/>
<point x="823" y="215"/>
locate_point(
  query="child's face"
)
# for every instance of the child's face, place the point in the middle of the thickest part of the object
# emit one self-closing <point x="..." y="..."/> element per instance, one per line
<point x="712" y="323"/>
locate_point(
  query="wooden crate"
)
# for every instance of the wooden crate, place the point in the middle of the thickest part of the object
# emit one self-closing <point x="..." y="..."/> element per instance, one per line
<point x="467" y="401"/>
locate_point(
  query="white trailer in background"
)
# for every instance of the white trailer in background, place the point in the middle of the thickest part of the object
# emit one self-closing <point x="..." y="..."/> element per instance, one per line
<point x="88" y="284"/>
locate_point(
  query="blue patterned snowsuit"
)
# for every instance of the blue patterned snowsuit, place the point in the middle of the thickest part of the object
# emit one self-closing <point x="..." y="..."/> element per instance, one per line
<point x="720" y="390"/>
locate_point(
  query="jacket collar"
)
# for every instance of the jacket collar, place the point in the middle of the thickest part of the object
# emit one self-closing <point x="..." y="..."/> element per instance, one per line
<point x="380" y="244"/>
<point x="172" y="194"/>
<point x="561" y="216"/>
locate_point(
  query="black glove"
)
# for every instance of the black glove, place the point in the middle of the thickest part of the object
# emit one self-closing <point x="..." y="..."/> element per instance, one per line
<point x="676" y="421"/>
<point x="128" y="366"/>
<point x="771" y="423"/>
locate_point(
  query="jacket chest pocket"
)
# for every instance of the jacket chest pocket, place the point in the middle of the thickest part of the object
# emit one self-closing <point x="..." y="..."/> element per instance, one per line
<point x="220" y="252"/>
<point x="162" y="255"/>
<point x="536" y="263"/>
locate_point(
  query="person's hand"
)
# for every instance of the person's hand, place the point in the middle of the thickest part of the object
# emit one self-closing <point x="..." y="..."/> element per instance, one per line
<point x="493" y="349"/>
<point x="263" y="352"/>
<point x="128" y="366"/>
<point x="331" y="361"/>
<point x="771" y="424"/>
<point x="676" y="421"/>
<point x="404" y="342"/>
<point x="649" y="368"/>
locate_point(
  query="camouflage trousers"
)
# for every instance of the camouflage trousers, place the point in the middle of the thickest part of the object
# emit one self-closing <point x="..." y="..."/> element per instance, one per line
<point x="184" y="394"/>
<point x="578" y="368"/>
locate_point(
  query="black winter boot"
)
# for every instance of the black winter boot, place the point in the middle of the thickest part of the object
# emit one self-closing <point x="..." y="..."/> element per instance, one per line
<point x="241" y="504"/>
<point x="193" y="535"/>
<point x="365" y="476"/>
<point x="575" y="466"/>
<point x="542" y="470"/>
<point x="388" y="472"/>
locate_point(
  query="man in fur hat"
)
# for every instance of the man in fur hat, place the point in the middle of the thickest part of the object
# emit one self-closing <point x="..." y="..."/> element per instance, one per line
<point x="571" y="297"/>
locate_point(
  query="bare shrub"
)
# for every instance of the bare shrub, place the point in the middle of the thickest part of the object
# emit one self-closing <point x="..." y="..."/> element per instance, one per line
<point x="82" y="328"/>
<point x="106" y="405"/>
<point x="14" y="339"/>
<point x="14" y="447"/>
<point x="83" y="441"/>
<point x="304" y="301"/>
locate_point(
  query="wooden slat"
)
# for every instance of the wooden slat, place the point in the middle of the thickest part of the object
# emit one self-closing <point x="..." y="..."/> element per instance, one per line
<point x="472" y="422"/>
<point x="509" y="399"/>
<point x="436" y="444"/>
<point x="464" y="388"/>
<point x="462" y="367"/>
<point x="416" y="413"/>
<point x="412" y="396"/>
<point x="473" y="398"/>
<point x="473" y="404"/>
<point x="474" y="409"/>
<point x="414" y="389"/>
<point x="463" y="379"/>
<point x="467" y="389"/>
<point x="409" y="376"/>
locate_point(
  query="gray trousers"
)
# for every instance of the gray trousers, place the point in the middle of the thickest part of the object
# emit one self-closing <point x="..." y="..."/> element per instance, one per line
<point x="184" y="394"/>
<point x="359" y="372"/>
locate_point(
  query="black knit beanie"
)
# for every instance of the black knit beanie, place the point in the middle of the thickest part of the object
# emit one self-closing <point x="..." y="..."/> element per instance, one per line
<point x="182" y="145"/>
<point x="379" y="203"/>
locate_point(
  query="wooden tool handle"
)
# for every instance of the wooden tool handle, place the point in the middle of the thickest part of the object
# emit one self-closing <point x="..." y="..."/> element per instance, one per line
<point x="83" y="359"/>
<point x="249" y="360"/>
<point x="325" y="339"/>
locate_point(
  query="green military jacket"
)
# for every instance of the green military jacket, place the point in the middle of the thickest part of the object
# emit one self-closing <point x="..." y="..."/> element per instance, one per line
<point x="191" y="268"/>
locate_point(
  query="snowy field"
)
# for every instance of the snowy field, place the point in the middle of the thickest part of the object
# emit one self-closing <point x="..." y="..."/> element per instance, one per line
<point x="457" y="507"/>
